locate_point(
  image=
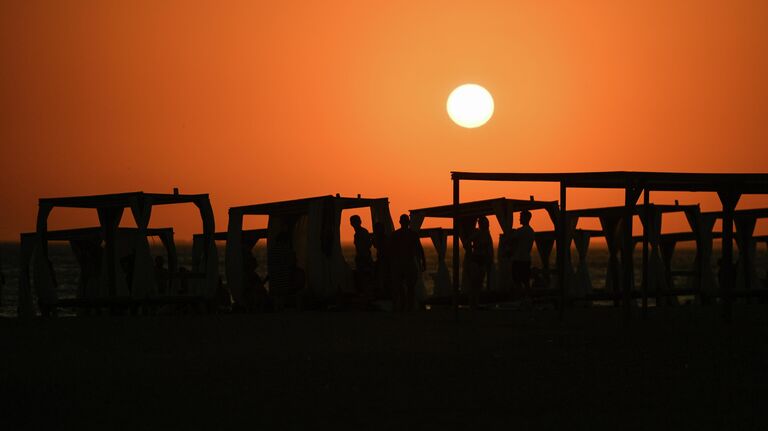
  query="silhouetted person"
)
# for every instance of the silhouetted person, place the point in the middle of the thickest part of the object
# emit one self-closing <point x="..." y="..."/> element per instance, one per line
<point x="522" y="244"/>
<point x="481" y="257"/>
<point x="127" y="263"/>
<point x="254" y="291"/>
<point x="161" y="275"/>
<point x="363" y="259"/>
<point x="382" y="242"/>
<point x="407" y="262"/>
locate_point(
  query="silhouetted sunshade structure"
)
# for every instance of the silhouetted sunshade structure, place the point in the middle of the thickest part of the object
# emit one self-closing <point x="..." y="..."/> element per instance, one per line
<point x="110" y="207"/>
<point x="313" y="225"/>
<point x="612" y="229"/>
<point x="87" y="247"/>
<point x="249" y="240"/>
<point x="729" y="188"/>
<point x="465" y="215"/>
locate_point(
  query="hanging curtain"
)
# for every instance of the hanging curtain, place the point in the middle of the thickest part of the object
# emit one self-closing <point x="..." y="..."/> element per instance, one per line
<point x="380" y="214"/>
<point x="26" y="251"/>
<point x="544" y="245"/>
<point x="210" y="264"/>
<point x="745" y="266"/>
<point x="144" y="284"/>
<point x="113" y="283"/>
<point x="702" y="225"/>
<point x="610" y="223"/>
<point x="443" y="276"/>
<point x="583" y="284"/>
<point x="667" y="254"/>
<point x="233" y="261"/>
<point x="342" y="274"/>
<point x="650" y="217"/>
<point x="502" y="270"/>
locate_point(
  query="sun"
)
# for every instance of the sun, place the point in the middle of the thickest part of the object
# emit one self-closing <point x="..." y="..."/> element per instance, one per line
<point x="470" y="106"/>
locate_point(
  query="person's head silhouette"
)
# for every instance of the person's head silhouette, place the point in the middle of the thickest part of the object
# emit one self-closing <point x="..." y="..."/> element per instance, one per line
<point x="355" y="221"/>
<point x="525" y="217"/>
<point x="405" y="221"/>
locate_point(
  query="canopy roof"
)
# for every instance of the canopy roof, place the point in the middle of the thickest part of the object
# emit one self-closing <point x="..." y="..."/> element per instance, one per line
<point x="247" y="234"/>
<point x="300" y="206"/>
<point x="120" y="200"/>
<point x="90" y="232"/>
<point x="638" y="209"/>
<point x="755" y="212"/>
<point x="678" y="236"/>
<point x="756" y="183"/>
<point x="485" y="207"/>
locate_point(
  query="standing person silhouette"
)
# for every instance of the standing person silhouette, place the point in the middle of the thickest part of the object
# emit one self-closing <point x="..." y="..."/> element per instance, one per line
<point x="523" y="238"/>
<point x="407" y="262"/>
<point x="363" y="259"/>
<point x="481" y="257"/>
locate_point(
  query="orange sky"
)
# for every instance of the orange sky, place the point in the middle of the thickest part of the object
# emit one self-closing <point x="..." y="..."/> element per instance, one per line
<point x="258" y="102"/>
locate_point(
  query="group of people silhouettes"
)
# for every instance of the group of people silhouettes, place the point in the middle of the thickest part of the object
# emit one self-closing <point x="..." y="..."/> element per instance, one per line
<point x="514" y="250"/>
<point x="400" y="258"/>
<point x="399" y="262"/>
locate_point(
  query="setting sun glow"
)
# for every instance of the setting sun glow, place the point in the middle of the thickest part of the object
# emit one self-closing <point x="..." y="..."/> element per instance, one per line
<point x="470" y="105"/>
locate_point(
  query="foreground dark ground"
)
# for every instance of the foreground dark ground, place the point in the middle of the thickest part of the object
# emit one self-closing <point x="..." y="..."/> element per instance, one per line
<point x="683" y="368"/>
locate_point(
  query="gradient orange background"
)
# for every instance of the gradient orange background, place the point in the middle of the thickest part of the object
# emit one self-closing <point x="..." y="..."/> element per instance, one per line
<point x="254" y="102"/>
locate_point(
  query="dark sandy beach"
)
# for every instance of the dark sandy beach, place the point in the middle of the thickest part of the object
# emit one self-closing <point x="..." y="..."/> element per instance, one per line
<point x="683" y="368"/>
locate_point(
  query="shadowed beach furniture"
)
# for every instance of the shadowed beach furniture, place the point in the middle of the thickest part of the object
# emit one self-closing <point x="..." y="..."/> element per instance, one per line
<point x="249" y="240"/>
<point x="128" y="272"/>
<point x="729" y="188"/>
<point x="313" y="225"/>
<point x="87" y="247"/>
<point x="466" y="214"/>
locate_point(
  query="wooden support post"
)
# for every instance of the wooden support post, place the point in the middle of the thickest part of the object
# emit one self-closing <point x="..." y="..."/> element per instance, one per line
<point x="455" y="257"/>
<point x="647" y="216"/>
<point x="728" y="198"/>
<point x="562" y="249"/>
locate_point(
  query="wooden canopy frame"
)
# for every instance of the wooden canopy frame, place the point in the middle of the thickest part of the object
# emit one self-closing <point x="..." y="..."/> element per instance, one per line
<point x="728" y="186"/>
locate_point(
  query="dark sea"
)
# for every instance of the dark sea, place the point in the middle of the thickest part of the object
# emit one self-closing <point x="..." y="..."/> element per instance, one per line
<point x="67" y="270"/>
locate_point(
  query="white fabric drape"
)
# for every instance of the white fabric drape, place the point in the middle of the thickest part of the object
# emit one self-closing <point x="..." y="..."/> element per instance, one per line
<point x="26" y="251"/>
<point x="745" y="266"/>
<point x="233" y="261"/>
<point x="667" y="254"/>
<point x="611" y="226"/>
<point x="583" y="283"/>
<point x="650" y="217"/>
<point x="109" y="219"/>
<point x="342" y="273"/>
<point x="702" y="225"/>
<point x="144" y="284"/>
<point x="380" y="214"/>
<point x="443" y="276"/>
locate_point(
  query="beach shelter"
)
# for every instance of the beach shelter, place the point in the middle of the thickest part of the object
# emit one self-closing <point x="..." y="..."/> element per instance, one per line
<point x="87" y="245"/>
<point x="249" y="240"/>
<point x="313" y="225"/>
<point x="745" y="221"/>
<point x="611" y="222"/>
<point x="728" y="186"/>
<point x="467" y="213"/>
<point x="110" y="209"/>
